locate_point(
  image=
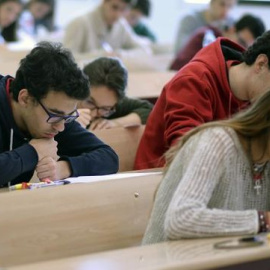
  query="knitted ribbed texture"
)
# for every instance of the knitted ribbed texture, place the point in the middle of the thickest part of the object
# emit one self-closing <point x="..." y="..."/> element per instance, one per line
<point x="208" y="191"/>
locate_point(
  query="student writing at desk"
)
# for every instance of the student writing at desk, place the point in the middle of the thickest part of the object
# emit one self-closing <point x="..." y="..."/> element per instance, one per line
<point x="107" y="106"/>
<point x="37" y="127"/>
<point x="218" y="180"/>
<point x="104" y="31"/>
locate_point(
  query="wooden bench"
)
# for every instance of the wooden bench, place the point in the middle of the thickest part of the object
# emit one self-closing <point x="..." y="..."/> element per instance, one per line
<point x="124" y="141"/>
<point x="76" y="219"/>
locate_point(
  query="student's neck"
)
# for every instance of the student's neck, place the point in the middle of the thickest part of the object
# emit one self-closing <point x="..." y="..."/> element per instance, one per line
<point x="238" y="76"/>
<point x="17" y="116"/>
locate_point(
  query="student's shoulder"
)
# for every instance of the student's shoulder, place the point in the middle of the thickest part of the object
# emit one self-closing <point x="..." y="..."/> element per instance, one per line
<point x="86" y="17"/>
<point x="192" y="18"/>
<point x="221" y="135"/>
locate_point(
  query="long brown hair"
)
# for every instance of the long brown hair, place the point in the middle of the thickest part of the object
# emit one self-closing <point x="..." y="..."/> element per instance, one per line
<point x="251" y="123"/>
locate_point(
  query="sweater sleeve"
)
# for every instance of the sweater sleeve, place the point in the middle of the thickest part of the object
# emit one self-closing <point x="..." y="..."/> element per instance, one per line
<point x="17" y="162"/>
<point x="130" y="105"/>
<point x="188" y="214"/>
<point x="133" y="45"/>
<point x="86" y="154"/>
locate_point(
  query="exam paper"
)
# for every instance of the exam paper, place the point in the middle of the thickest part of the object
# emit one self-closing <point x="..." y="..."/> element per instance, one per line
<point x="90" y="179"/>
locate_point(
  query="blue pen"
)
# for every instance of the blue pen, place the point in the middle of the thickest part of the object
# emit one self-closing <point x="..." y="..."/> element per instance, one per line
<point x="51" y="184"/>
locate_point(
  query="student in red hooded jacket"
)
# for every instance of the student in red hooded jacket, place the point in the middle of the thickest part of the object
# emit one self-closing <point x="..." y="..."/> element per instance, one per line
<point x="220" y="80"/>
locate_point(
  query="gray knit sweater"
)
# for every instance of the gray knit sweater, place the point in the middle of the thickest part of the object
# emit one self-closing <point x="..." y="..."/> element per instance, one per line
<point x="208" y="191"/>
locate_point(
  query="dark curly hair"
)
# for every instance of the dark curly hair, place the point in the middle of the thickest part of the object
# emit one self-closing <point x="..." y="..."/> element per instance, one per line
<point x="108" y="72"/>
<point x="260" y="46"/>
<point x="50" y="67"/>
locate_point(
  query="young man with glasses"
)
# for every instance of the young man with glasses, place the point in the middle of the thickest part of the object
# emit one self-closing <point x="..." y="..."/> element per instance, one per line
<point x="105" y="32"/>
<point x="37" y="128"/>
<point x="107" y="106"/>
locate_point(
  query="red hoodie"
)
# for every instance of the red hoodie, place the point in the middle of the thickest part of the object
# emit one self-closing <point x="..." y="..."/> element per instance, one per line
<point x="198" y="93"/>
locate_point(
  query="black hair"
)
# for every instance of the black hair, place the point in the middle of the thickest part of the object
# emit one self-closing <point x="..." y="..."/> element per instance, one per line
<point x="144" y="6"/>
<point x="48" y="20"/>
<point x="9" y="33"/>
<point x="260" y="46"/>
<point x="50" y="67"/>
<point x="108" y="72"/>
<point x="254" y="24"/>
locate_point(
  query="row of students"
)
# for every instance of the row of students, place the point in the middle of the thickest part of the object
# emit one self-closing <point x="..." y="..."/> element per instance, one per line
<point x="216" y="181"/>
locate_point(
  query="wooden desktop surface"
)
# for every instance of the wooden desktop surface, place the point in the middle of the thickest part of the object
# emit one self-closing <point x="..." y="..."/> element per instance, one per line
<point x="147" y="84"/>
<point x="73" y="220"/>
<point x="181" y="255"/>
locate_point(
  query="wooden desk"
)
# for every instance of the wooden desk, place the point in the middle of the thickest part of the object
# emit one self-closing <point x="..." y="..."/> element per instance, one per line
<point x="147" y="84"/>
<point x="72" y="220"/>
<point x="181" y="255"/>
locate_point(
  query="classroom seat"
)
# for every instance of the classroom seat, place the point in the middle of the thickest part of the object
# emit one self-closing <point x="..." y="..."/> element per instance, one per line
<point x="59" y="222"/>
<point x="124" y="141"/>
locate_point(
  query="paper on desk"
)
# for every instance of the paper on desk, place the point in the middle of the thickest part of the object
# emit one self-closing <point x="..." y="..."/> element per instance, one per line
<point x="90" y="179"/>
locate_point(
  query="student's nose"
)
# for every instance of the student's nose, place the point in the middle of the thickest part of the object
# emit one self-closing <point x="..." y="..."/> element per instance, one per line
<point x="60" y="126"/>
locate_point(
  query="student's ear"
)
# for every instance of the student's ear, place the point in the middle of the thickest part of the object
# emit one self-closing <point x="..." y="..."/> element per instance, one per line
<point x="261" y="63"/>
<point x="24" y="99"/>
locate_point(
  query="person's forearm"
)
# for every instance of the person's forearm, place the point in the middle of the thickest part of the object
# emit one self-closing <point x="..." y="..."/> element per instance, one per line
<point x="128" y="120"/>
<point x="64" y="169"/>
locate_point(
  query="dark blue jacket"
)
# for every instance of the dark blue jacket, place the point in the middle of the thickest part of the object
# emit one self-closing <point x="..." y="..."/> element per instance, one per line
<point x="86" y="154"/>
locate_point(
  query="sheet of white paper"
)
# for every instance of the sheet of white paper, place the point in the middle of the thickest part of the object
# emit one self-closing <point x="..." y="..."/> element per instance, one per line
<point x="90" y="179"/>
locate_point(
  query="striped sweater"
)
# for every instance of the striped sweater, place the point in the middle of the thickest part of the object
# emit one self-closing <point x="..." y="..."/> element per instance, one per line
<point x="208" y="191"/>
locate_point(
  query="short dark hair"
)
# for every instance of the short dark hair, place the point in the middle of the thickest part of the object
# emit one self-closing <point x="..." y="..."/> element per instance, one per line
<point x="254" y="24"/>
<point x="144" y="6"/>
<point x="260" y="46"/>
<point x="50" y="67"/>
<point x="107" y="72"/>
<point x="9" y="33"/>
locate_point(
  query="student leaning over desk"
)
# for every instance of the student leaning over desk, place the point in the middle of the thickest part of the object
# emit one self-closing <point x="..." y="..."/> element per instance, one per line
<point x="107" y="105"/>
<point x="218" y="180"/>
<point x="219" y="81"/>
<point x="104" y="31"/>
<point x="37" y="127"/>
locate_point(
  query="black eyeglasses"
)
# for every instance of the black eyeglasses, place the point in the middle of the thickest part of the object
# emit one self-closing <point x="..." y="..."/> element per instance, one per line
<point x="56" y="118"/>
<point x="103" y="111"/>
